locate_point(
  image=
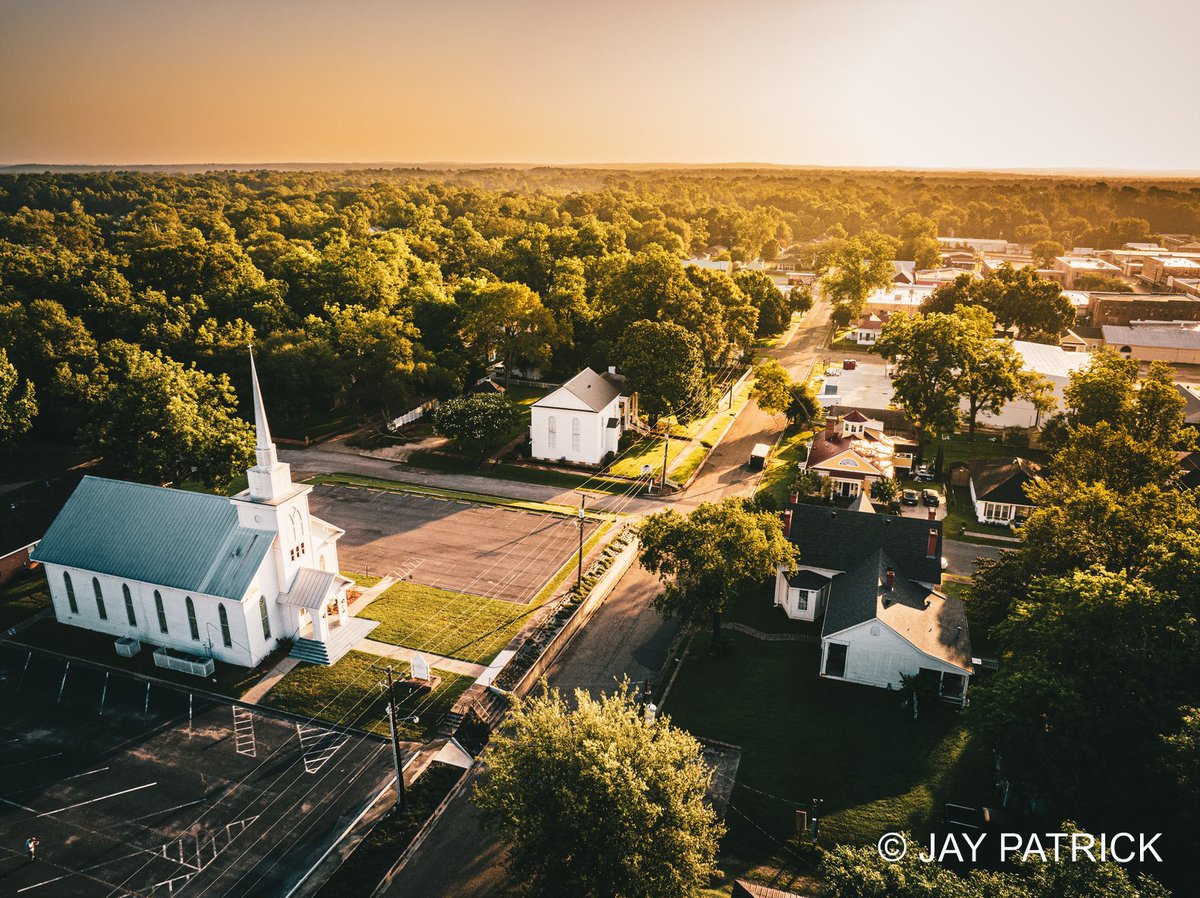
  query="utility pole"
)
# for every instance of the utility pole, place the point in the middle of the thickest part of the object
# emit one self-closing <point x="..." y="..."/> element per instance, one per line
<point x="397" y="751"/>
<point x="666" y="442"/>
<point x="579" y="570"/>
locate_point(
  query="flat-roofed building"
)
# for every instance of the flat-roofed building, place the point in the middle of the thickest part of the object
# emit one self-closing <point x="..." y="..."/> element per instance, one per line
<point x="1177" y="343"/>
<point x="1122" y="308"/>
<point x="1068" y="269"/>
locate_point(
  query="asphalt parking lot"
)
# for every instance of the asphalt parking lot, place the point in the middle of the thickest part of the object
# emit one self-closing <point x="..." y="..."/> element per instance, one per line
<point x="485" y="550"/>
<point x="150" y="792"/>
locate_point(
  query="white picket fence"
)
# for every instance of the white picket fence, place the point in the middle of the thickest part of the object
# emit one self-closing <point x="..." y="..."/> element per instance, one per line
<point x="414" y="415"/>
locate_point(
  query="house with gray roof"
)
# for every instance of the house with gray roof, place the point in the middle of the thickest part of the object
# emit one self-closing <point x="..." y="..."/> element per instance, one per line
<point x="582" y="421"/>
<point x="212" y="577"/>
<point x="997" y="488"/>
<point x="872" y="580"/>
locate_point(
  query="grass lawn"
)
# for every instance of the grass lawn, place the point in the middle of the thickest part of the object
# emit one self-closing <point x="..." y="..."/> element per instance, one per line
<point x="349" y="693"/>
<point x="227" y="679"/>
<point x="360" y="873"/>
<point x="646" y="451"/>
<point x="755" y="608"/>
<point x="239" y="483"/>
<point x="565" y="479"/>
<point x="317" y="425"/>
<point x="959" y="448"/>
<point x="459" y="625"/>
<point x="23" y="597"/>
<point x="687" y="466"/>
<point x="802" y="737"/>
<point x="448" y="623"/>
<point x="38" y="461"/>
<point x="783" y="465"/>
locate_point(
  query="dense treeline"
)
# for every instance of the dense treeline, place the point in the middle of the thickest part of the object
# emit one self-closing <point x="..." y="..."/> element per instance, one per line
<point x="367" y="291"/>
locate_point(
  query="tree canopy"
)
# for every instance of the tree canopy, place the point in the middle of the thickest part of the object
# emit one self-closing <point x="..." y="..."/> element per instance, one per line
<point x="1016" y="297"/>
<point x="592" y="800"/>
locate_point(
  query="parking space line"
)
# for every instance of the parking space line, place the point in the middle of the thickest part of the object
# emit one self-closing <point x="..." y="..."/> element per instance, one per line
<point x="94" y="800"/>
<point x="57" y="754"/>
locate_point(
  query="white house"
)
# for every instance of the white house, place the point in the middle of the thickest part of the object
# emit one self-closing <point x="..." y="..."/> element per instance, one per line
<point x="582" y="421"/>
<point x="210" y="576"/>
<point x="998" y="488"/>
<point x="869" y="327"/>
<point x="873" y="581"/>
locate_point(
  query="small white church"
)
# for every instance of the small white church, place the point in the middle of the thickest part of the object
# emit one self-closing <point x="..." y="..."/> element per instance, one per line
<point x="205" y="575"/>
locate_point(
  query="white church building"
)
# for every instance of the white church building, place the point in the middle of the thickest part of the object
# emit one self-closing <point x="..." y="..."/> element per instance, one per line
<point x="204" y="575"/>
<point x="582" y="421"/>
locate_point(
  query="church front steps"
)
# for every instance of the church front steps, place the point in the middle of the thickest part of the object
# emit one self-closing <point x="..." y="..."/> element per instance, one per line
<point x="341" y="640"/>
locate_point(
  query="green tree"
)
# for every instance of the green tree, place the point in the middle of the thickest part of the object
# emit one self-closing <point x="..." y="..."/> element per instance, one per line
<point x="662" y="363"/>
<point x="1044" y="252"/>
<point x="1018" y="297"/>
<point x="509" y="322"/>
<point x="885" y="489"/>
<point x="1102" y="283"/>
<point x="478" y="422"/>
<point x="772" y="387"/>
<point x="989" y="374"/>
<point x="705" y="557"/>
<point x="774" y="309"/>
<point x="161" y="421"/>
<point x="804" y="406"/>
<point x="926" y="351"/>
<point x="592" y="800"/>
<point x="854" y="271"/>
<point x="18" y="403"/>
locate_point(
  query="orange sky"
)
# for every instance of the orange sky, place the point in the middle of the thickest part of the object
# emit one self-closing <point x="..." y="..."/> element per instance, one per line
<point x="930" y="83"/>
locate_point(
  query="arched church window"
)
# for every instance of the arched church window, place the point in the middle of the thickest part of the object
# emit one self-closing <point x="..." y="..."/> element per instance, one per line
<point x="191" y="614"/>
<point x="70" y="592"/>
<point x="99" y="599"/>
<point x="226" y="637"/>
<point x="129" y="612"/>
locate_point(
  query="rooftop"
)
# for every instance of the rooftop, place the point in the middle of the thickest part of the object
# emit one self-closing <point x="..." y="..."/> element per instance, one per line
<point x="1004" y="479"/>
<point x="1152" y="337"/>
<point x="182" y="540"/>
<point x="1052" y="361"/>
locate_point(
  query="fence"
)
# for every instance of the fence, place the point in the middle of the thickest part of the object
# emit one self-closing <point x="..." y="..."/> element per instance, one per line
<point x="188" y="664"/>
<point x="414" y="415"/>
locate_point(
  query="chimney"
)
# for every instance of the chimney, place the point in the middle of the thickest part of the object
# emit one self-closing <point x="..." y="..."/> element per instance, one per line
<point x="933" y="514"/>
<point x="794" y="498"/>
<point x="931" y="548"/>
<point x="890" y="579"/>
<point x="787" y="522"/>
<point x="831" y="426"/>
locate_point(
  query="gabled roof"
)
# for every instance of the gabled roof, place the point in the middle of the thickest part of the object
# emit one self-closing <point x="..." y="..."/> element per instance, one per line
<point x="862" y="503"/>
<point x="838" y="540"/>
<point x="856" y="417"/>
<point x="594" y="390"/>
<point x="311" y="588"/>
<point x="1004" y="479"/>
<point x="933" y="623"/>
<point x="186" y="541"/>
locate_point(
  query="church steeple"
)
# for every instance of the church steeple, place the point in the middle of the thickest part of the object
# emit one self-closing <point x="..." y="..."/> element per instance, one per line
<point x="264" y="449"/>
<point x="270" y="479"/>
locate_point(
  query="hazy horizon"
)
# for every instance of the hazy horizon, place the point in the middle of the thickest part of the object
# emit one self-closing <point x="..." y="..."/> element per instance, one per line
<point x="932" y="85"/>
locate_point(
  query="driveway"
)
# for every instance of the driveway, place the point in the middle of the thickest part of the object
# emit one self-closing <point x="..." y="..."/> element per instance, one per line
<point x="961" y="557"/>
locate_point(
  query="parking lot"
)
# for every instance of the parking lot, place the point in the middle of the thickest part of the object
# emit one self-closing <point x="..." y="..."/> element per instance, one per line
<point x="492" y="551"/>
<point x="147" y="790"/>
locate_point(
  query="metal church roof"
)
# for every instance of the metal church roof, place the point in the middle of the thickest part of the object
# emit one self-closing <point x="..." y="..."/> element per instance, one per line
<point x="186" y="541"/>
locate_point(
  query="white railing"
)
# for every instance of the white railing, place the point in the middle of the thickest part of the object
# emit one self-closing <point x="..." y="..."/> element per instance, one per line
<point x="415" y="415"/>
<point x="127" y="646"/>
<point x="188" y="664"/>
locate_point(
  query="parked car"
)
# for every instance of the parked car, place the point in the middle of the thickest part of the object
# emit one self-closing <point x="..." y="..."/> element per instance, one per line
<point x="931" y="498"/>
<point x="910" y="497"/>
<point x="895" y="508"/>
<point x="922" y="473"/>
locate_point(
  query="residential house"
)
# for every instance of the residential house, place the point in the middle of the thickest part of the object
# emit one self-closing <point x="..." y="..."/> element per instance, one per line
<point x="998" y="488"/>
<point x="1082" y="339"/>
<point x="873" y="581"/>
<point x="1191" y="403"/>
<point x="853" y="452"/>
<point x="906" y="272"/>
<point x="866" y="331"/>
<point x="212" y="576"/>
<point x="582" y="421"/>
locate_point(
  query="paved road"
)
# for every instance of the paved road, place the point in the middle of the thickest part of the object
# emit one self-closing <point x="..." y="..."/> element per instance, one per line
<point x="961" y="556"/>
<point x="727" y="470"/>
<point x="625" y="637"/>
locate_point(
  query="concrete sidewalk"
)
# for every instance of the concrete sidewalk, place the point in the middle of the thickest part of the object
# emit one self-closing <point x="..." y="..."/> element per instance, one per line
<point x="402" y="653"/>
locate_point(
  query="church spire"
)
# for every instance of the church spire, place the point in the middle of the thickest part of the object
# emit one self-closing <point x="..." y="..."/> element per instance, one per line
<point x="264" y="449"/>
<point x="270" y="479"/>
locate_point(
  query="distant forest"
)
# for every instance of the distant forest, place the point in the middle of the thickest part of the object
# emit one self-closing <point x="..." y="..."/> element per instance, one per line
<point x="364" y="292"/>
